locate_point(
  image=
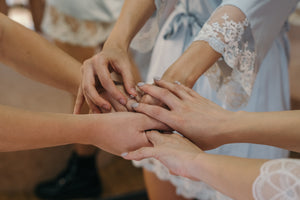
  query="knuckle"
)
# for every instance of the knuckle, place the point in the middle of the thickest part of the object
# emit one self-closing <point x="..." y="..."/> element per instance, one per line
<point x="85" y="87"/>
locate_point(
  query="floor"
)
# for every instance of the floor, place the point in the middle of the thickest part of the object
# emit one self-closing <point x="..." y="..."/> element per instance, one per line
<point x="20" y="171"/>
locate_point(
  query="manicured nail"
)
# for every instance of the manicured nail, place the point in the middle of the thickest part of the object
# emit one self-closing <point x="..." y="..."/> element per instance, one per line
<point x="133" y="90"/>
<point x="124" y="154"/>
<point x="140" y="84"/>
<point x="156" y="78"/>
<point x="122" y="101"/>
<point x="134" y="105"/>
<point x="175" y="132"/>
<point x="131" y="96"/>
<point x="177" y="82"/>
<point x="106" y="107"/>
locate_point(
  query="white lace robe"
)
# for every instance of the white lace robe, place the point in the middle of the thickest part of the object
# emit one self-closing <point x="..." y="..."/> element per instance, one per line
<point x="77" y="22"/>
<point x="278" y="180"/>
<point x="252" y="74"/>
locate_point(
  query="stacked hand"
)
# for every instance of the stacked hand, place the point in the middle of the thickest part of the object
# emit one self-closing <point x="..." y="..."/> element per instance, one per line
<point x="197" y="118"/>
<point x="173" y="150"/>
<point x="96" y="74"/>
<point x="121" y="132"/>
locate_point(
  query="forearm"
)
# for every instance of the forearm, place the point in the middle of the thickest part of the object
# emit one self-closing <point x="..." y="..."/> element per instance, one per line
<point x="21" y="130"/>
<point x="192" y="64"/>
<point x="132" y="17"/>
<point x="36" y="58"/>
<point x="232" y="176"/>
<point x="279" y="129"/>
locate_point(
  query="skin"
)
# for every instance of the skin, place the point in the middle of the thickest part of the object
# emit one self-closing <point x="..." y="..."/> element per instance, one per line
<point x="21" y="130"/>
<point x="115" y="57"/>
<point x="44" y="62"/>
<point x="26" y="58"/>
<point x="193" y="114"/>
<point x="196" y="118"/>
<point x="184" y="158"/>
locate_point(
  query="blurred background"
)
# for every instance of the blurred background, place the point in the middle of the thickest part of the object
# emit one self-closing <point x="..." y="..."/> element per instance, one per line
<point x="21" y="171"/>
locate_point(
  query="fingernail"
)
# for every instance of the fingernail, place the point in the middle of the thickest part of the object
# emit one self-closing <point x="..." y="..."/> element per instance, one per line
<point x="175" y="132"/>
<point x="106" y="107"/>
<point x="122" y="101"/>
<point x="131" y="96"/>
<point x="124" y="154"/>
<point x="140" y="84"/>
<point x="133" y="90"/>
<point x="156" y="78"/>
<point x="134" y="105"/>
<point x="177" y="82"/>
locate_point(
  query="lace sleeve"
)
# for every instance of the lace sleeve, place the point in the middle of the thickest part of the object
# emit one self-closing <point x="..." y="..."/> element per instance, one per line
<point x="278" y="179"/>
<point x="243" y="32"/>
<point x="228" y="32"/>
<point x="145" y="38"/>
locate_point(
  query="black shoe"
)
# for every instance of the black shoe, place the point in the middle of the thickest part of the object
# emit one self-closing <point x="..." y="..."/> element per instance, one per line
<point x="80" y="179"/>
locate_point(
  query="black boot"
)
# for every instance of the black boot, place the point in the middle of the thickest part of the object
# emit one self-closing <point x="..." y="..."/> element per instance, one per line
<point x="80" y="179"/>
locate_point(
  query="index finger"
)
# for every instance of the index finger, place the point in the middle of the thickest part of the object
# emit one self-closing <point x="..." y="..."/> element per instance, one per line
<point x="107" y="82"/>
<point x="89" y="89"/>
<point x="78" y="102"/>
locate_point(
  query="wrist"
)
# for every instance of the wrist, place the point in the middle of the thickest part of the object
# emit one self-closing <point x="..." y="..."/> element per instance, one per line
<point x="121" y="35"/>
<point x="185" y="77"/>
<point x="200" y="167"/>
<point x="234" y="128"/>
<point x="195" y="61"/>
<point x="122" y="44"/>
<point x="85" y="128"/>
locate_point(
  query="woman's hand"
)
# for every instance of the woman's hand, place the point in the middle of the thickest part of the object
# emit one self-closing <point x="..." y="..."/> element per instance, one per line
<point x="122" y="131"/>
<point x="173" y="150"/>
<point x="117" y="106"/>
<point x="197" y="118"/>
<point x="96" y="75"/>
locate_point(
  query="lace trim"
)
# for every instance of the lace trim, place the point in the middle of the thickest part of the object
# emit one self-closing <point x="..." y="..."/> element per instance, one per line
<point x="68" y="29"/>
<point x="185" y="187"/>
<point x="233" y="85"/>
<point x="278" y="180"/>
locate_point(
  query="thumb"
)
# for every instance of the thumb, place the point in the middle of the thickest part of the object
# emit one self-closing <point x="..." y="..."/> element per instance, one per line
<point x="79" y="101"/>
<point x="142" y="153"/>
<point x="130" y="75"/>
<point x="155" y="137"/>
<point x="149" y="123"/>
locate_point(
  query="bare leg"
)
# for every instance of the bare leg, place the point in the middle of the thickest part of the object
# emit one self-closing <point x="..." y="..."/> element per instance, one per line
<point x="37" y="11"/>
<point x="3" y="7"/>
<point x="158" y="189"/>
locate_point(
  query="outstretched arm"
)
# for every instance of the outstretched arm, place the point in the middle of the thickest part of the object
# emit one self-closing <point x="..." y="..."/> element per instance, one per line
<point x="21" y="130"/>
<point x="209" y="126"/>
<point x="36" y="58"/>
<point x="115" y="57"/>
<point x="238" y="178"/>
